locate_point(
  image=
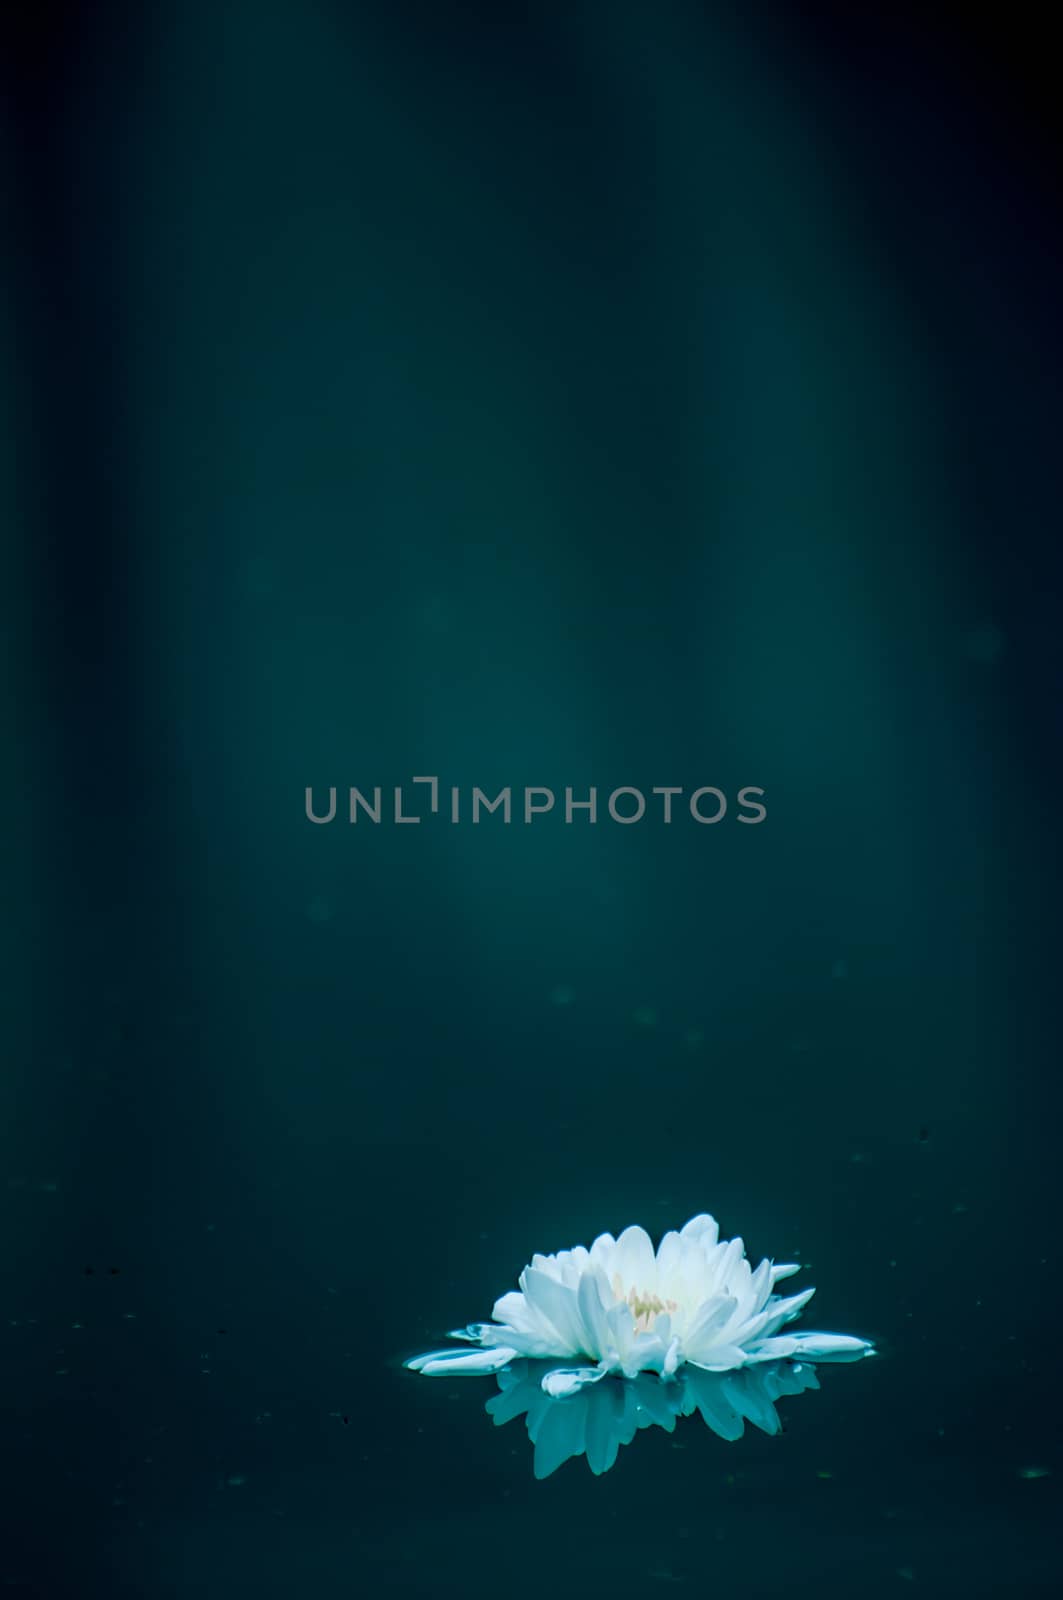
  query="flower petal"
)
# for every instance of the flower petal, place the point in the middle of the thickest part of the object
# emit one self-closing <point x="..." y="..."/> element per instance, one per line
<point x="722" y="1358"/>
<point x="558" y="1305"/>
<point x="831" y="1347"/>
<point x="777" y="1314"/>
<point x="760" y="1286"/>
<point x="703" y="1228"/>
<point x="602" y="1252"/>
<point x="669" y="1258"/>
<point x="564" y="1381"/>
<point x="709" y="1319"/>
<point x="726" y="1263"/>
<point x="598" y="1338"/>
<point x="461" y="1363"/>
<point x="635" y="1261"/>
<point x="522" y="1325"/>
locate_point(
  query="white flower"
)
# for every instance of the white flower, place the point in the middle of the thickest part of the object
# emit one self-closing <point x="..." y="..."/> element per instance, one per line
<point x="628" y="1310"/>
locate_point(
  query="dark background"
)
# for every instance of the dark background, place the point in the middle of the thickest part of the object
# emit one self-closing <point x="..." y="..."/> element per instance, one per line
<point x="614" y="394"/>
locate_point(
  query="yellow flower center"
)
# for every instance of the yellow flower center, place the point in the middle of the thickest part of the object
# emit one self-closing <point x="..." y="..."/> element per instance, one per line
<point x="645" y="1307"/>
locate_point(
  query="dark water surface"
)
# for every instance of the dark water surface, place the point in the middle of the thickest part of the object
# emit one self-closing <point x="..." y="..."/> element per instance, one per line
<point x="603" y="396"/>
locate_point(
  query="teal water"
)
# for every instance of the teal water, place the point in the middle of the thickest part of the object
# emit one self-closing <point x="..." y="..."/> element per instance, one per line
<point x="563" y="400"/>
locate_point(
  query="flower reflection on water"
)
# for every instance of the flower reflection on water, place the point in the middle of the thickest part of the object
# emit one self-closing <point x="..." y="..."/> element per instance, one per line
<point x="597" y="1419"/>
<point x="690" y="1326"/>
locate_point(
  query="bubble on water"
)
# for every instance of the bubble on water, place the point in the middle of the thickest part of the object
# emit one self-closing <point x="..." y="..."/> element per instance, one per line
<point x="562" y="995"/>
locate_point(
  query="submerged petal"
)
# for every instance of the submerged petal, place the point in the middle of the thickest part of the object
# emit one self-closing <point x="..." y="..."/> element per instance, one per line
<point x="459" y="1363"/>
<point x="566" y="1381"/>
<point x="831" y="1346"/>
<point x="472" y="1333"/>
